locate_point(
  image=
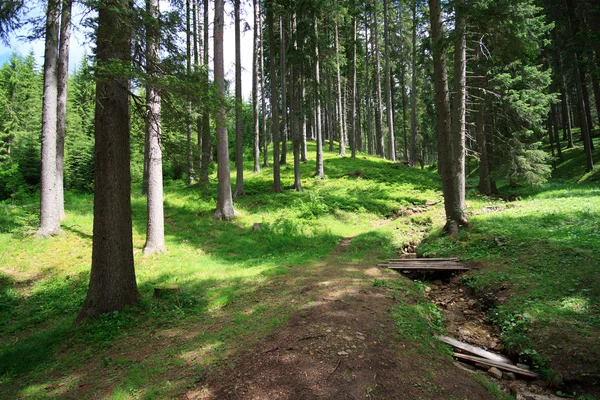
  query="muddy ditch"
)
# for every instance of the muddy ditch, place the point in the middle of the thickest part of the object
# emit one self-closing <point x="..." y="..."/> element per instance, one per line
<point x="466" y="320"/>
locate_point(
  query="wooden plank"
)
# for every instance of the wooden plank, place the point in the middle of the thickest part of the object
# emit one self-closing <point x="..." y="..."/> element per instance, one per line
<point x="425" y="267"/>
<point x="499" y="365"/>
<point x="473" y="350"/>
<point x="437" y="264"/>
<point x="422" y="259"/>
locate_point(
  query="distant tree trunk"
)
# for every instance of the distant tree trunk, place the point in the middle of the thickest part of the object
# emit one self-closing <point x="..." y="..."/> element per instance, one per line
<point x="239" y="135"/>
<point x="295" y="95"/>
<point x="274" y="105"/>
<point x="155" y="228"/>
<point x="112" y="280"/>
<point x="353" y="108"/>
<point x="413" y="90"/>
<point x="330" y="113"/>
<point x="49" y="213"/>
<point x="388" y="86"/>
<point x="263" y="94"/>
<point x="255" y="112"/>
<point x="303" y="118"/>
<point x="284" y="92"/>
<point x="224" y="209"/>
<point x="378" y="113"/>
<point x="484" y="172"/>
<point x="320" y="172"/>
<point x="458" y="122"/>
<point x="63" y="79"/>
<point x="206" y="139"/>
<point x="340" y="122"/>
<point x="556" y="135"/>
<point x="190" y="149"/>
<point x="370" y="145"/>
<point x="566" y="120"/>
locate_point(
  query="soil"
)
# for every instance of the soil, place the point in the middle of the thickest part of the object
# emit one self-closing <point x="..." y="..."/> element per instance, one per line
<point x="341" y="345"/>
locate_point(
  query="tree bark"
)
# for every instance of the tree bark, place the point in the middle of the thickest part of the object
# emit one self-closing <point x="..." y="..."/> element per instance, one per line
<point x="206" y="136"/>
<point x="295" y="95"/>
<point x="353" y="108"/>
<point x="370" y="144"/>
<point x="284" y="91"/>
<point x="155" y="227"/>
<point x="224" y="209"/>
<point x="320" y="172"/>
<point x="380" y="145"/>
<point x="388" y="86"/>
<point x="63" y="80"/>
<point x="190" y="149"/>
<point x="255" y="112"/>
<point x="340" y="122"/>
<point x="413" y="90"/>
<point x="263" y="95"/>
<point x="112" y="280"/>
<point x="239" y="135"/>
<point x="458" y="122"/>
<point x="274" y="102"/>
<point x="49" y="212"/>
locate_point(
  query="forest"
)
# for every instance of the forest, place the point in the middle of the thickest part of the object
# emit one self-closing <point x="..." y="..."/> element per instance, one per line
<point x="168" y="230"/>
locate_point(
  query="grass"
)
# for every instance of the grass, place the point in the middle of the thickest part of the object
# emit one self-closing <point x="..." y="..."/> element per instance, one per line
<point x="540" y="278"/>
<point x="233" y="282"/>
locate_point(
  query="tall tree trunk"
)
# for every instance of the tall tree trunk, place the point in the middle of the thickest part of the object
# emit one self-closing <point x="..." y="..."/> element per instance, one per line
<point x="224" y="209"/>
<point x="340" y="122"/>
<point x="63" y="79"/>
<point x="370" y="145"/>
<point x="49" y="213"/>
<point x="295" y="95"/>
<point x="190" y="149"/>
<point x="206" y="137"/>
<point x="320" y="172"/>
<point x="239" y="135"/>
<point x="112" y="280"/>
<point x="274" y="102"/>
<point x="303" y="149"/>
<point x="484" y="172"/>
<point x="155" y="228"/>
<point x="460" y="113"/>
<point x="197" y="66"/>
<point x="443" y="119"/>
<point x="263" y="94"/>
<point x="255" y="112"/>
<point x="566" y="120"/>
<point x="353" y="100"/>
<point x="284" y="92"/>
<point x="380" y="145"/>
<point x="388" y="86"/>
<point x="330" y="113"/>
<point x="413" y="90"/>
<point x="554" y="122"/>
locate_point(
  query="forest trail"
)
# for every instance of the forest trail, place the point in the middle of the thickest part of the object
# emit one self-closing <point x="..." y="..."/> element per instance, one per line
<point x="343" y="344"/>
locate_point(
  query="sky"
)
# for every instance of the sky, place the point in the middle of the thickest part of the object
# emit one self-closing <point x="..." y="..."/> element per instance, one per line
<point x="81" y="44"/>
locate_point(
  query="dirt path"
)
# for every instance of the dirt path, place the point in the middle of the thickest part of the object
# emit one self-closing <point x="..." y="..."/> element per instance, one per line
<point x="342" y="344"/>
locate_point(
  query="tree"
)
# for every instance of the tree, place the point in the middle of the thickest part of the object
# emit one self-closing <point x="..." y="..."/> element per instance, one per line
<point x="190" y="148"/>
<point x="320" y="172"/>
<point x="49" y="213"/>
<point x="380" y="140"/>
<point x="239" y="135"/>
<point x="63" y="77"/>
<point x="206" y="139"/>
<point x="388" y="86"/>
<point x="112" y="281"/>
<point x="255" y="108"/>
<point x="224" y="209"/>
<point x="413" y="89"/>
<point x="274" y="102"/>
<point x="155" y="226"/>
<point x="9" y="17"/>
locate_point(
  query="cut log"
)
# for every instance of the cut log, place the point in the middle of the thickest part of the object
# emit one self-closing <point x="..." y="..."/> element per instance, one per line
<point x="499" y="365"/>
<point x="393" y="260"/>
<point x="473" y="350"/>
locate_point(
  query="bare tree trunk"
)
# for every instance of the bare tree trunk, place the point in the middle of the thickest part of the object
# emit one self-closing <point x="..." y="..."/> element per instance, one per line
<point x="484" y="172"/>
<point x="553" y="115"/>
<point x="206" y="139"/>
<point x="295" y="93"/>
<point x="303" y="149"/>
<point x="49" y="213"/>
<point x="255" y="112"/>
<point x="370" y="144"/>
<point x="63" y="80"/>
<point x="239" y="135"/>
<point x="330" y="113"/>
<point x="353" y="108"/>
<point x="263" y="95"/>
<point x="340" y="122"/>
<point x="112" y="280"/>
<point x="284" y="92"/>
<point x="155" y="228"/>
<point x="413" y="90"/>
<point x="320" y="172"/>
<point x="460" y="114"/>
<point x="388" y="86"/>
<point x="190" y="149"/>
<point x="380" y="146"/>
<point x="443" y="119"/>
<point x="224" y="209"/>
<point x="274" y="105"/>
